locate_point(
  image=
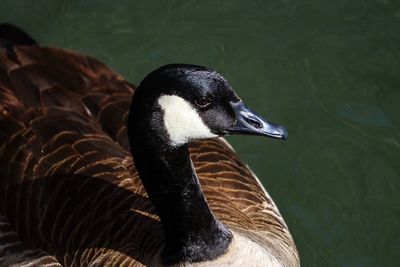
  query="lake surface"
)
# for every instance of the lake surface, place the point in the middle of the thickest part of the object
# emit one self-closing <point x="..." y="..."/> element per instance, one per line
<point x="327" y="70"/>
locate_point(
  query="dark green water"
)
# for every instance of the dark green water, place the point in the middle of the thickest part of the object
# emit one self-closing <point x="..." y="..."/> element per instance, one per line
<point x="328" y="70"/>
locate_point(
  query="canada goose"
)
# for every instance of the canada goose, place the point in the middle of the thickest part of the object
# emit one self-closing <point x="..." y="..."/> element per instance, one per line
<point x="71" y="194"/>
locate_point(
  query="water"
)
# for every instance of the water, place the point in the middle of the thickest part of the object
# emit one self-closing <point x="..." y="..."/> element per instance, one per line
<point x="328" y="70"/>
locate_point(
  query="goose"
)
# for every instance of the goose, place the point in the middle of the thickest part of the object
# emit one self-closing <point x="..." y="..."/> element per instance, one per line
<point x="98" y="172"/>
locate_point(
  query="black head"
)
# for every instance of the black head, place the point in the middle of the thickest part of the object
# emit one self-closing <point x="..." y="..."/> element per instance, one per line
<point x="192" y="102"/>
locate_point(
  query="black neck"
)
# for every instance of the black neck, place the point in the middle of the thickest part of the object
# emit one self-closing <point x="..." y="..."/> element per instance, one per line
<point x="191" y="230"/>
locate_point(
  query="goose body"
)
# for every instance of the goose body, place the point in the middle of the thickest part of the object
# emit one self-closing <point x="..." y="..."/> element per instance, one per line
<point x="71" y="194"/>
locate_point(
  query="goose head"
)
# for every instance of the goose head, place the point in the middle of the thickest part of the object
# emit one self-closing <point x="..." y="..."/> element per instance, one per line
<point x="172" y="106"/>
<point x="179" y="103"/>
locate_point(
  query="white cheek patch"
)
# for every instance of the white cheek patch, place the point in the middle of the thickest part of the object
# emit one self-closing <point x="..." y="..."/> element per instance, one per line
<point x="182" y="121"/>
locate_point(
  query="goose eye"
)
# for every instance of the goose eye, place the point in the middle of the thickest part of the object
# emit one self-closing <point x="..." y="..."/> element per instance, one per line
<point x="203" y="102"/>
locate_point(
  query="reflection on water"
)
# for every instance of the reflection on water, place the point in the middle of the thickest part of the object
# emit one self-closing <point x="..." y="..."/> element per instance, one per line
<point x="363" y="114"/>
<point x="328" y="71"/>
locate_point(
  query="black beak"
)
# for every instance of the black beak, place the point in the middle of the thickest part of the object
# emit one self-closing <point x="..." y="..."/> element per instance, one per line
<point x="249" y="122"/>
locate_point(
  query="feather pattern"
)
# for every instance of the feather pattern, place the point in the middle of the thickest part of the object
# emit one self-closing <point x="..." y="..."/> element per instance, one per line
<point x="70" y="193"/>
